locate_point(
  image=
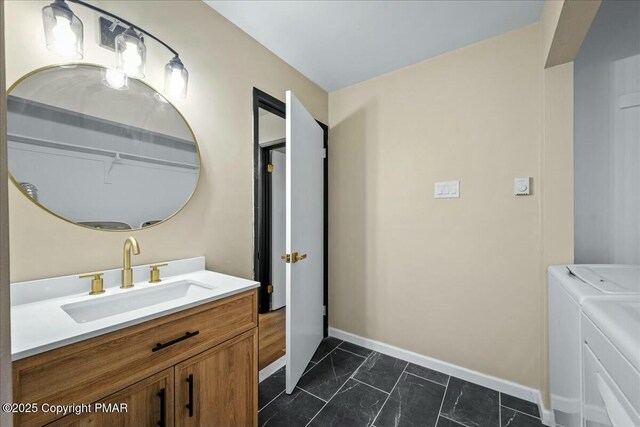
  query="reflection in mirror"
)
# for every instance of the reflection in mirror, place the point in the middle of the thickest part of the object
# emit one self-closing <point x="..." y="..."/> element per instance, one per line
<point x="113" y="158"/>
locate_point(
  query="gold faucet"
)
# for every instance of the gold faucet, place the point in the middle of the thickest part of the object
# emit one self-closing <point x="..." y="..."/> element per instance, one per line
<point x="130" y="245"/>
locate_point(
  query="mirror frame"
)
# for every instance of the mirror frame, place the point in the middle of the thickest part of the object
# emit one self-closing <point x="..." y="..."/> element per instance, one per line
<point x="49" y="211"/>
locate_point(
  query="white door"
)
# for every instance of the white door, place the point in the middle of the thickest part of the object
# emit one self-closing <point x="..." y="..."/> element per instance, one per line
<point x="304" y="238"/>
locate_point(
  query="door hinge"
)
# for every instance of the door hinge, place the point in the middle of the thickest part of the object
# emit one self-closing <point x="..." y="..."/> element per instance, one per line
<point x="324" y="310"/>
<point x="269" y="167"/>
<point x="324" y="153"/>
<point x="270" y="289"/>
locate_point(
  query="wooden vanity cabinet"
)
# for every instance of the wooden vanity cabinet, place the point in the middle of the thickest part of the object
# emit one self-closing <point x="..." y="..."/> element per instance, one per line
<point x="215" y="344"/>
<point x="218" y="387"/>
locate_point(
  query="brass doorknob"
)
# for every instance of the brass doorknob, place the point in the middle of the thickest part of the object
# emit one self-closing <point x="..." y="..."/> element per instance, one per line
<point x="293" y="257"/>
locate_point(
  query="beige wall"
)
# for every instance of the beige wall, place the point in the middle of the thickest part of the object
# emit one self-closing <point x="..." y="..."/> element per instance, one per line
<point x="224" y="65"/>
<point x="458" y="280"/>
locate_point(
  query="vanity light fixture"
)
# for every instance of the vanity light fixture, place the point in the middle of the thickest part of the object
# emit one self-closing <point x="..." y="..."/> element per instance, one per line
<point x="63" y="33"/>
<point x="176" y="78"/>
<point x="132" y="53"/>
<point x="62" y="30"/>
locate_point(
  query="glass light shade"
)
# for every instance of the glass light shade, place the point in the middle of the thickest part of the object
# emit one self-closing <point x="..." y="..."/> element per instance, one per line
<point x="115" y="79"/>
<point x="132" y="53"/>
<point x="176" y="78"/>
<point x="62" y="30"/>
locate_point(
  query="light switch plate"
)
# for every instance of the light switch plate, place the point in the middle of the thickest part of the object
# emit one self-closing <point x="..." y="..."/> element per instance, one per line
<point x="522" y="186"/>
<point x="446" y="190"/>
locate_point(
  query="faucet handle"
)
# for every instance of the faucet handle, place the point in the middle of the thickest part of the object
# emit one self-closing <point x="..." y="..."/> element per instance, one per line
<point x="154" y="274"/>
<point x="97" y="284"/>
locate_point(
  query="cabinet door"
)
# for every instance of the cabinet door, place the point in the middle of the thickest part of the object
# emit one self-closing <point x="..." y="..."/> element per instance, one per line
<point x="219" y="388"/>
<point x="148" y="403"/>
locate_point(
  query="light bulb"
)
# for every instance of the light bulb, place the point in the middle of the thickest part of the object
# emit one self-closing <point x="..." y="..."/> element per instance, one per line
<point x="177" y="82"/>
<point x="65" y="39"/>
<point x="131" y="59"/>
<point x="115" y="79"/>
<point x="175" y="79"/>
<point x="131" y="53"/>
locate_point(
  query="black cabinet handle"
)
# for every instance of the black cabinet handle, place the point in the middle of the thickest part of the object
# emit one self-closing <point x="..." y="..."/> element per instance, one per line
<point x="189" y="405"/>
<point x="163" y="408"/>
<point x="161" y="345"/>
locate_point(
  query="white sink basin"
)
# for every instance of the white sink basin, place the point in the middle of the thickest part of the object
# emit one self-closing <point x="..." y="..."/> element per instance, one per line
<point x="107" y="306"/>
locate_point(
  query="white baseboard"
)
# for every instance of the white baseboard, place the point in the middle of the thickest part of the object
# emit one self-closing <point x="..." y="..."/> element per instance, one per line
<point x="504" y="386"/>
<point x="269" y="370"/>
<point x="545" y="414"/>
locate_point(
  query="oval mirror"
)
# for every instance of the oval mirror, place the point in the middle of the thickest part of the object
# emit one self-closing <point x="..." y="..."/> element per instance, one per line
<point x="99" y="150"/>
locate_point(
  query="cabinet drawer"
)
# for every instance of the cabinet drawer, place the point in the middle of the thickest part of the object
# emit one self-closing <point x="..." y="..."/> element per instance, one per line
<point x="87" y="371"/>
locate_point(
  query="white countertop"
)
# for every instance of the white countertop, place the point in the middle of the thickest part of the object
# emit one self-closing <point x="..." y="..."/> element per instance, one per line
<point x="39" y="323"/>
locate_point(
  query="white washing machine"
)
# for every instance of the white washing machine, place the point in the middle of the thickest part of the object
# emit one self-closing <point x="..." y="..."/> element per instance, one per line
<point x="611" y="362"/>
<point x="569" y="286"/>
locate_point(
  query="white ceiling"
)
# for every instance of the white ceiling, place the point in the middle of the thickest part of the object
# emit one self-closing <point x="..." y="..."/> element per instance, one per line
<point x="339" y="43"/>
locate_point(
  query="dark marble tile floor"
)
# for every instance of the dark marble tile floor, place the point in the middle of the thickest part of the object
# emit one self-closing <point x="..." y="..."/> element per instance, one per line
<point x="471" y="404"/>
<point x="270" y="388"/>
<point x="330" y="373"/>
<point x="351" y="386"/>
<point x="381" y="371"/>
<point x="355" y="404"/>
<point x="356" y="349"/>
<point x="414" y="401"/>
<point x="326" y="346"/>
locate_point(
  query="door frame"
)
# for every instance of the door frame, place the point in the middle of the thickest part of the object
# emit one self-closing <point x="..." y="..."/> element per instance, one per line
<point x="262" y="207"/>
